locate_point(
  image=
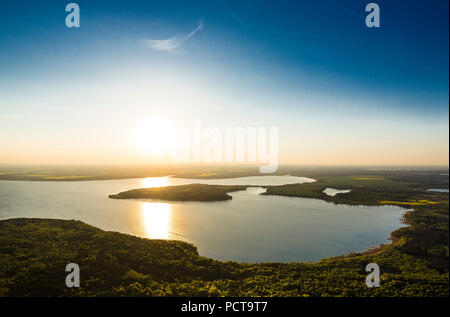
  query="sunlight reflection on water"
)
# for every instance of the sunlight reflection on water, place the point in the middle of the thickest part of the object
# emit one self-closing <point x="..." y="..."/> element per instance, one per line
<point x="156" y="219"/>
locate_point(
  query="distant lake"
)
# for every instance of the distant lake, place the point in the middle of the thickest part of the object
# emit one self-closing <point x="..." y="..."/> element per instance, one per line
<point x="333" y="192"/>
<point x="248" y="228"/>
<point x="438" y="190"/>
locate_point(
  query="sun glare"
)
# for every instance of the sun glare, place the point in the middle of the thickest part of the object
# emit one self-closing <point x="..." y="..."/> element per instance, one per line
<point x="155" y="182"/>
<point x="156" y="136"/>
<point x="156" y="219"/>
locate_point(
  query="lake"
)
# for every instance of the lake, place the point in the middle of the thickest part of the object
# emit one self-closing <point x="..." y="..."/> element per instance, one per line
<point x="438" y="190"/>
<point x="333" y="191"/>
<point x="248" y="228"/>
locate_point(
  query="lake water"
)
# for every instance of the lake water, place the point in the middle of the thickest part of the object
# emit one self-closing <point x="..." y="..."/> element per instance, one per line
<point x="438" y="190"/>
<point x="333" y="191"/>
<point x="248" y="228"/>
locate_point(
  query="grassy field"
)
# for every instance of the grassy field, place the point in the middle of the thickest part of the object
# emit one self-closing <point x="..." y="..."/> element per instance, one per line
<point x="365" y="190"/>
<point x="191" y="192"/>
<point x="421" y="202"/>
<point x="86" y="173"/>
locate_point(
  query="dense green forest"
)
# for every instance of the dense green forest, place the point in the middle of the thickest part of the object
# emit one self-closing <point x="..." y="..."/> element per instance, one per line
<point x="34" y="253"/>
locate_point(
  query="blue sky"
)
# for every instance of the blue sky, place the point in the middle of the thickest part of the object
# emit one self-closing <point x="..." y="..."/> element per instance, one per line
<point x="309" y="67"/>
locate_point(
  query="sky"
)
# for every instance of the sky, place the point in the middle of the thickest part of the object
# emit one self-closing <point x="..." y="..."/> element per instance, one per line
<point x="339" y="92"/>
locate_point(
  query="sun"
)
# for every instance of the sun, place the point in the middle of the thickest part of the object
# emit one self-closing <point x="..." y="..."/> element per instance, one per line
<point x="156" y="136"/>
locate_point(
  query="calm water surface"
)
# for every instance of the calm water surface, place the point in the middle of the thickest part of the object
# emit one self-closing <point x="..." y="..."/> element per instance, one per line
<point x="250" y="227"/>
<point x="438" y="190"/>
<point x="333" y="191"/>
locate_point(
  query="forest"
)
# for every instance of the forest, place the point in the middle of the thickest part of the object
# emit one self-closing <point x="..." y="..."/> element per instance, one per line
<point x="35" y="252"/>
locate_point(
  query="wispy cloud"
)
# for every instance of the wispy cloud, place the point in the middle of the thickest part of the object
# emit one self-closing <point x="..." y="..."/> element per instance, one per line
<point x="171" y="44"/>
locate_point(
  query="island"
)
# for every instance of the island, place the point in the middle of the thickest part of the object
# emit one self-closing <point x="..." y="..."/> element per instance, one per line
<point x="190" y="192"/>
